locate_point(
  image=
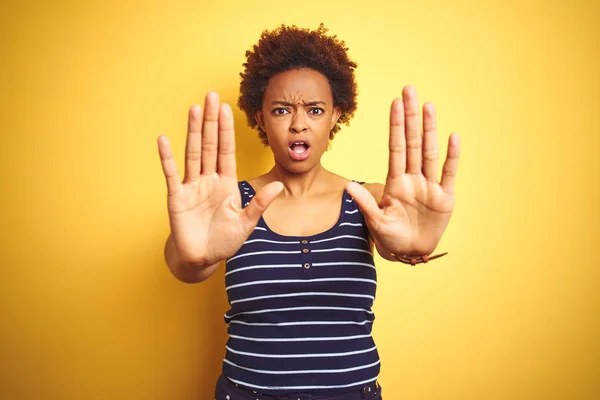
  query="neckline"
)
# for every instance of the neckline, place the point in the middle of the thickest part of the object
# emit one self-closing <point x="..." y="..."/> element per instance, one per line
<point x="262" y="222"/>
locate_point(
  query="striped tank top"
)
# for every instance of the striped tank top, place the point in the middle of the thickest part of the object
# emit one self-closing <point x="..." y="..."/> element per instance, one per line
<point x="300" y="319"/>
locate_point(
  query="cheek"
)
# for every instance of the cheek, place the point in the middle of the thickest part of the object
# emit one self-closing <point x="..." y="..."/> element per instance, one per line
<point x="325" y="128"/>
<point x="276" y="136"/>
<point x="277" y="129"/>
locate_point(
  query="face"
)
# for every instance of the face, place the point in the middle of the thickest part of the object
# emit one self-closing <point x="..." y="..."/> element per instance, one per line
<point x="297" y="115"/>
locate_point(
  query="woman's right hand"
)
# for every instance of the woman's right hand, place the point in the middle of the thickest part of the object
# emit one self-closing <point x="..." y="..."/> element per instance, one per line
<point x="207" y="221"/>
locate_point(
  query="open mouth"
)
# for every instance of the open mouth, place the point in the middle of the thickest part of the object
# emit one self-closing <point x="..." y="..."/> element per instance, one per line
<point x="299" y="150"/>
<point x="299" y="147"/>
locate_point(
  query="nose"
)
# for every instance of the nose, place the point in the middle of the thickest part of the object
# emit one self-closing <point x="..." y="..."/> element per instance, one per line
<point x="298" y="124"/>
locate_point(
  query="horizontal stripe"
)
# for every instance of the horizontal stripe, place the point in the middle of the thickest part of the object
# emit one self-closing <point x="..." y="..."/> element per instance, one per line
<point x="271" y="241"/>
<point x="259" y="228"/>
<point x="349" y="200"/>
<point x="262" y="355"/>
<point x="301" y="281"/>
<point x="306" y="339"/>
<point x="351" y="212"/>
<point x="302" y="371"/>
<point x="297" y="266"/>
<point x="263" y="252"/>
<point x="340" y="237"/>
<point x="276" y="296"/>
<point x="297" y="323"/>
<point x="350" y="224"/>
<point x="342" y="263"/>
<point x="264" y="266"/>
<point x="303" y="387"/>
<point x="267" y="310"/>
<point x="340" y="249"/>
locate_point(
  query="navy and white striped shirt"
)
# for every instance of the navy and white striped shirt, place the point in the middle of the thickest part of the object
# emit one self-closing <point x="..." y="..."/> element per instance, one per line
<point x="300" y="317"/>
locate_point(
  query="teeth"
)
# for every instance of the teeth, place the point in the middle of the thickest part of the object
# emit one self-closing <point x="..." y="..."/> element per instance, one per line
<point x="299" y="147"/>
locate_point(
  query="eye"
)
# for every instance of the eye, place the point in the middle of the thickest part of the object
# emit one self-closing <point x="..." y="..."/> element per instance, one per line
<point x="280" y="111"/>
<point x="316" y="111"/>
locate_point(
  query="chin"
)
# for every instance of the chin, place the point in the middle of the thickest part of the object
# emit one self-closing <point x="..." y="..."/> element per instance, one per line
<point x="297" y="167"/>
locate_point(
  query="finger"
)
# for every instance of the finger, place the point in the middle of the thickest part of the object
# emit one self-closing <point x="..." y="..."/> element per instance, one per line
<point x="397" y="143"/>
<point x="366" y="202"/>
<point x="210" y="134"/>
<point x="169" y="166"/>
<point x="226" y="157"/>
<point x="451" y="164"/>
<point x="259" y="204"/>
<point x="430" y="145"/>
<point x="193" y="144"/>
<point x="412" y="130"/>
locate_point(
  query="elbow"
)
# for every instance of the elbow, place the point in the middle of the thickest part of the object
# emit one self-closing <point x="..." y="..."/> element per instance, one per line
<point x="192" y="275"/>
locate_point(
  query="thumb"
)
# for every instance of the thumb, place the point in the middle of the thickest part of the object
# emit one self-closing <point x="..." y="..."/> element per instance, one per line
<point x="259" y="204"/>
<point x="365" y="201"/>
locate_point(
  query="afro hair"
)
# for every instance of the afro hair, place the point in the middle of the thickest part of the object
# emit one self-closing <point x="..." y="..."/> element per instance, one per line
<point x="289" y="47"/>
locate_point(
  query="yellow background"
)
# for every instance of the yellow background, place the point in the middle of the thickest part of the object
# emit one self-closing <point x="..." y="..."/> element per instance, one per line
<point x="88" y="308"/>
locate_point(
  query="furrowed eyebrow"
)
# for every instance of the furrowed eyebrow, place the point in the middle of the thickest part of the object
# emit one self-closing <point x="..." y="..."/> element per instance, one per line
<point x="287" y="104"/>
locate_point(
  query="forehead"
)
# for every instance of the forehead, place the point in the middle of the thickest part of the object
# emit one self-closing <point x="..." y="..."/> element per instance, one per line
<point x="298" y="85"/>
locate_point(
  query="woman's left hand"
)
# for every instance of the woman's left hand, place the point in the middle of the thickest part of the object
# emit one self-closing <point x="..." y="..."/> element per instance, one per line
<point x="414" y="208"/>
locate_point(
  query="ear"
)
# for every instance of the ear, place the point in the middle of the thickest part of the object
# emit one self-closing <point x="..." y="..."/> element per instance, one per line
<point x="259" y="120"/>
<point x="335" y="115"/>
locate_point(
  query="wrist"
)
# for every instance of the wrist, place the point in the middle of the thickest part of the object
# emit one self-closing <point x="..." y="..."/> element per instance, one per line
<point x="407" y="256"/>
<point x="416" y="259"/>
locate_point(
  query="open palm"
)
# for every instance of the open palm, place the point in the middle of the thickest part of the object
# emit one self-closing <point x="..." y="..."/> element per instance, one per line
<point x="414" y="209"/>
<point x="207" y="221"/>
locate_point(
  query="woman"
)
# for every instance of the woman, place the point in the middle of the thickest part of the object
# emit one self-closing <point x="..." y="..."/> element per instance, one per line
<point x="299" y="239"/>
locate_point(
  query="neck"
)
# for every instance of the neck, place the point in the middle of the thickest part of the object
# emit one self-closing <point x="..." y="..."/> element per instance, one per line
<point x="298" y="185"/>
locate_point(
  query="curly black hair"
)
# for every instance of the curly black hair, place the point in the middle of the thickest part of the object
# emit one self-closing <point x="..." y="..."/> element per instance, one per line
<point x="290" y="47"/>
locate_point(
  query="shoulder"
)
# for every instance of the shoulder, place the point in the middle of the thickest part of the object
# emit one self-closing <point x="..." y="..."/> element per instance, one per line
<point x="258" y="182"/>
<point x="376" y="189"/>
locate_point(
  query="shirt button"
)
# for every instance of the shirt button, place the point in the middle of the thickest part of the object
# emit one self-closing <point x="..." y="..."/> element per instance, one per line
<point x="305" y="251"/>
<point x="305" y="242"/>
<point x="307" y="265"/>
